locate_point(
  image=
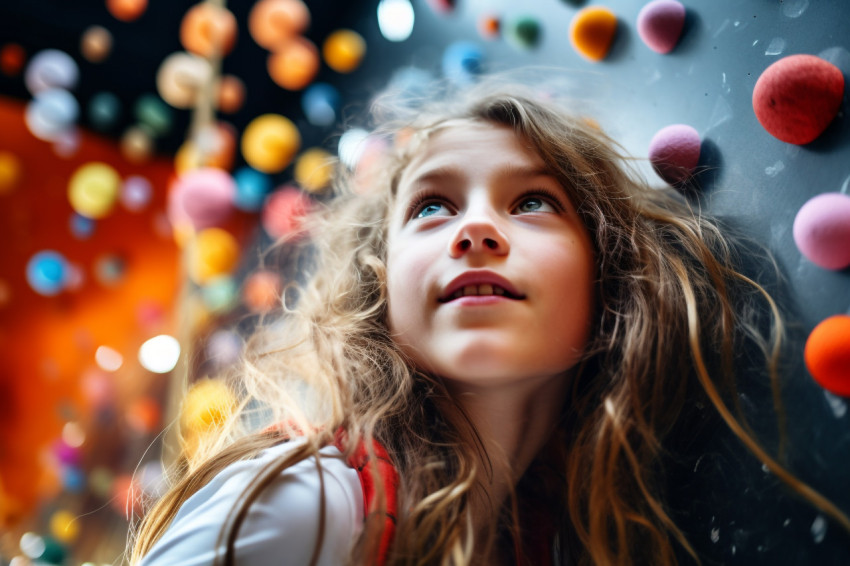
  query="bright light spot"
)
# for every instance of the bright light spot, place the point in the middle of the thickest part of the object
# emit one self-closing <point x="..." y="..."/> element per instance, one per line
<point x="351" y="146"/>
<point x="73" y="434"/>
<point x="108" y="359"/>
<point x="159" y="354"/>
<point x="32" y="545"/>
<point x="395" y="19"/>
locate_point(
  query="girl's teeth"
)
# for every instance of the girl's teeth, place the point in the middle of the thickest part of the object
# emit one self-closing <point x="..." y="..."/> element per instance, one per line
<point x="484" y="289"/>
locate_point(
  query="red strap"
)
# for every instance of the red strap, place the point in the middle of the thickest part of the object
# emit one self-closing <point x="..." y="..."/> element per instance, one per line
<point x="360" y="461"/>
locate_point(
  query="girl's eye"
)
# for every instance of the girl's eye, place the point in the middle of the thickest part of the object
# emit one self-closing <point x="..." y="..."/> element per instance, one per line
<point x="535" y="204"/>
<point x="432" y="208"/>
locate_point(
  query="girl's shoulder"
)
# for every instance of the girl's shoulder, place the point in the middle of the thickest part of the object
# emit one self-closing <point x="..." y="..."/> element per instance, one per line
<point x="281" y="525"/>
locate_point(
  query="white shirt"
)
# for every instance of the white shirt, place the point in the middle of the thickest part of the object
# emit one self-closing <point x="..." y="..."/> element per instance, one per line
<point x="281" y="526"/>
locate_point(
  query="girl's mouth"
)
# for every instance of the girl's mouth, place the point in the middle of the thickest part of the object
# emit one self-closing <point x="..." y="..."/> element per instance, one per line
<point x="481" y="290"/>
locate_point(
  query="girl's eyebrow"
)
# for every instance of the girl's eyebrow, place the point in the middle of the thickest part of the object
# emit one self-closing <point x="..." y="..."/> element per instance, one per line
<point x="449" y="172"/>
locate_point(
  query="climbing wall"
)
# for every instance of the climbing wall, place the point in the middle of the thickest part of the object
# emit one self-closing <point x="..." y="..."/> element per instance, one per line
<point x="142" y="166"/>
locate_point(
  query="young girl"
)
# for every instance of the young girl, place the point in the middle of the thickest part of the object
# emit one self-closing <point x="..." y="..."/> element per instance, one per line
<point x="487" y="366"/>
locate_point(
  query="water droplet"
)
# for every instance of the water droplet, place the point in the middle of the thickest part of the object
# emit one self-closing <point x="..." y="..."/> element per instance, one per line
<point x="775" y="169"/>
<point x="775" y="47"/>
<point x="794" y="8"/>
<point x="819" y="529"/>
<point x="836" y="403"/>
<point x="715" y="535"/>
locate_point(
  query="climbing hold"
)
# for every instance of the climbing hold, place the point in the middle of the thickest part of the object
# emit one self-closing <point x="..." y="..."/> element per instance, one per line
<point x="827" y="354"/>
<point x="592" y="32"/>
<point x="660" y="24"/>
<point x="822" y="230"/>
<point x="797" y="97"/>
<point x="674" y="152"/>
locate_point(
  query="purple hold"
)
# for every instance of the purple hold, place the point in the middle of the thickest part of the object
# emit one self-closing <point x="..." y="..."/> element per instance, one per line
<point x="674" y="153"/>
<point x="660" y="24"/>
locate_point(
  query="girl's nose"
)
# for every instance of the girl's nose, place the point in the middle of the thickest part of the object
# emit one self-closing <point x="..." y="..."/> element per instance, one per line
<point x="478" y="235"/>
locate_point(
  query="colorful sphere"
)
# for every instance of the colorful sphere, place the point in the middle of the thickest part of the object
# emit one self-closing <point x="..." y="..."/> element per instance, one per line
<point x="822" y="230"/>
<point x="261" y="291"/>
<point x="343" y="50"/>
<point x="93" y="189"/>
<point x="212" y="146"/>
<point x="51" y="68"/>
<point x="104" y="111"/>
<point x="82" y="228"/>
<point x="524" y="32"/>
<point x="126" y="10"/>
<point x="151" y="111"/>
<point x="797" y="97"/>
<point x="272" y="23"/>
<point x="270" y="142"/>
<point x="224" y="348"/>
<point x="660" y="24"/>
<point x="230" y="94"/>
<point x="314" y="169"/>
<point x="12" y="57"/>
<point x="180" y="78"/>
<point x="320" y="104"/>
<point x="213" y="252"/>
<point x="51" y="113"/>
<point x="137" y="144"/>
<point x="827" y="354"/>
<point x="283" y="213"/>
<point x="65" y="526"/>
<point x="592" y="32"/>
<point x="674" y="153"/>
<point x="219" y="294"/>
<point x="205" y="196"/>
<point x="208" y="29"/>
<point x="47" y="272"/>
<point x="10" y="172"/>
<point x="442" y="6"/>
<point x="208" y="404"/>
<point x="462" y="62"/>
<point x="96" y="43"/>
<point x="135" y="193"/>
<point x="294" y="64"/>
<point x="252" y="187"/>
<point x="489" y="26"/>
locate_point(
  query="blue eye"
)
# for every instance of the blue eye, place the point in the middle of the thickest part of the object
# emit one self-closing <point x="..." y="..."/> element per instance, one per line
<point x="429" y="209"/>
<point x="535" y="204"/>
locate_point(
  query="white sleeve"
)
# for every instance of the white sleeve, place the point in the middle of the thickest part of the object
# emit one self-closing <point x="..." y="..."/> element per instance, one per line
<point x="282" y="525"/>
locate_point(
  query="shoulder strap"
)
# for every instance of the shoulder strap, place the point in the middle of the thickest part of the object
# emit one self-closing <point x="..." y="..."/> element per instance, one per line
<point x="387" y="475"/>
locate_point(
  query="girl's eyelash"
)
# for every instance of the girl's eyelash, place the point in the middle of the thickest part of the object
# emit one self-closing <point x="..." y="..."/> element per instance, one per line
<point x="428" y="197"/>
<point x="549" y="196"/>
<point x="423" y="198"/>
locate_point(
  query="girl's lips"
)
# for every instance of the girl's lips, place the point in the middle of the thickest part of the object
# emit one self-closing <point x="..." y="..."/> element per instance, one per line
<point x="479" y="300"/>
<point x="479" y="284"/>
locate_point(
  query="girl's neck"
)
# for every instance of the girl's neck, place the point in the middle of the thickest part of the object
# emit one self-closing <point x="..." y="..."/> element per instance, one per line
<point x="513" y="423"/>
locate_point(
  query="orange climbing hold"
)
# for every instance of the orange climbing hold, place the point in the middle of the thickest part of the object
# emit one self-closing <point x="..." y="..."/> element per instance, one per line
<point x="592" y="32"/>
<point x="827" y="354"/>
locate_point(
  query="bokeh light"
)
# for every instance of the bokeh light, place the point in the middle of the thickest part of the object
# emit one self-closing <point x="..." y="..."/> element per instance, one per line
<point x="160" y="353"/>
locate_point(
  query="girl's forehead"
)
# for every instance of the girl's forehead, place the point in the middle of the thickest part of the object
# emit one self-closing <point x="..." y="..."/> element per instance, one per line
<point x="450" y="141"/>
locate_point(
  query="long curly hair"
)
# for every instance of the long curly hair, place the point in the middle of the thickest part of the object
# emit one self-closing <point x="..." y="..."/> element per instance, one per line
<point x="672" y="309"/>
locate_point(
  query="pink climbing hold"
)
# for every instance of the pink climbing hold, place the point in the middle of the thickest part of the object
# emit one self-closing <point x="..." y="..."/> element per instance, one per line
<point x="674" y="152"/>
<point x="822" y="230"/>
<point x="797" y="97"/>
<point x="660" y="24"/>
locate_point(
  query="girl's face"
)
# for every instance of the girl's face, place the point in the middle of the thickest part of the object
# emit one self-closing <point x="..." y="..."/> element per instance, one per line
<point x="490" y="271"/>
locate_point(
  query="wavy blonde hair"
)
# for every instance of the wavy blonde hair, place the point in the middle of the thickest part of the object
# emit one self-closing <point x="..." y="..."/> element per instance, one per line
<point x="671" y="313"/>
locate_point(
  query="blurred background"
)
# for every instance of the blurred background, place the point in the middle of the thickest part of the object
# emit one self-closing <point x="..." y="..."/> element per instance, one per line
<point x="151" y="151"/>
